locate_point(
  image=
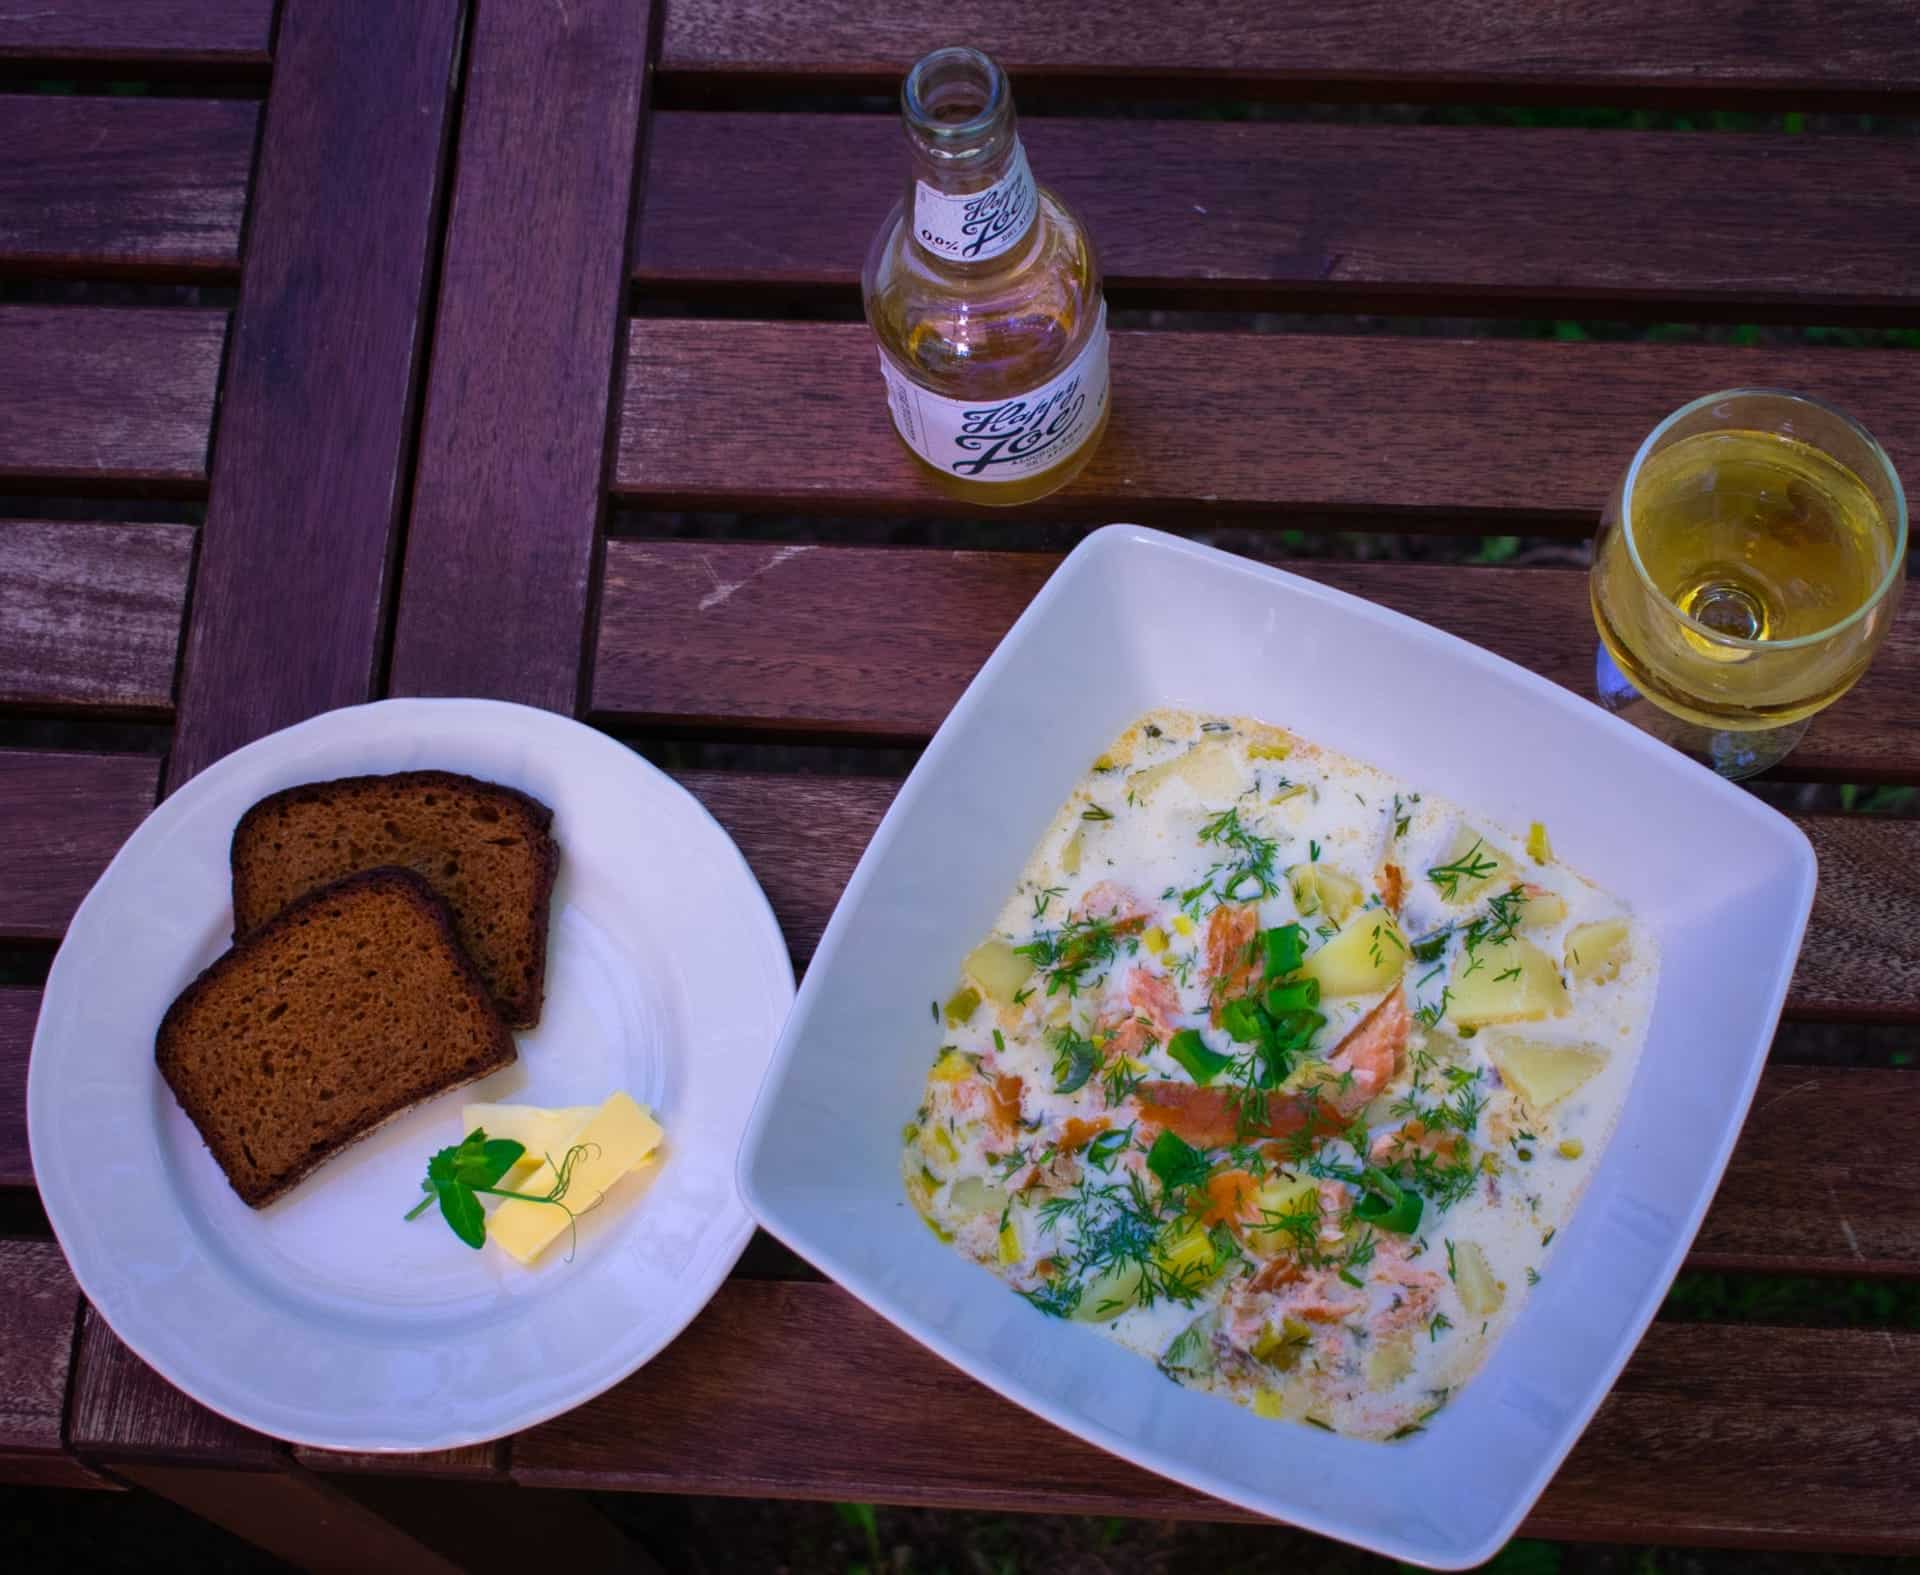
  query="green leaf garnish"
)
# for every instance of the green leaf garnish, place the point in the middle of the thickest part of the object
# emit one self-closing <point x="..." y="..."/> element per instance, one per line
<point x="456" y="1177"/>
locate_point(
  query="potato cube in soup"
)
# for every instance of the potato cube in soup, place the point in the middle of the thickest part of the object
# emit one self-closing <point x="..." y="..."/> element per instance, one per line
<point x="999" y="970"/>
<point x="1480" y="1293"/>
<point x="1471" y="869"/>
<point x="1544" y="1074"/>
<point x="1363" y="959"/>
<point x="1541" y="909"/>
<point x="1319" y="888"/>
<point x="1509" y="981"/>
<point x="1389" y="1362"/>
<point x="1596" y="952"/>
<point x="1208" y="768"/>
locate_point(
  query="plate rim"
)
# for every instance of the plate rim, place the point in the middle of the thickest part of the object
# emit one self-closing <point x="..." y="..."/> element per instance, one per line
<point x="758" y="915"/>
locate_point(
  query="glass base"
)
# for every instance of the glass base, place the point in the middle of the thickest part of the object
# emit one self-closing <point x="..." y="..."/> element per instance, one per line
<point x="1733" y="754"/>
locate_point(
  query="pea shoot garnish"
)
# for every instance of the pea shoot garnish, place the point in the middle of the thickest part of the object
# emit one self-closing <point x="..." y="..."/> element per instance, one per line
<point x="458" y="1176"/>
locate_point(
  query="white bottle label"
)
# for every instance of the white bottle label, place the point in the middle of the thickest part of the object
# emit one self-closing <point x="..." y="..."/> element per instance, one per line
<point x="981" y="224"/>
<point x="1008" y="439"/>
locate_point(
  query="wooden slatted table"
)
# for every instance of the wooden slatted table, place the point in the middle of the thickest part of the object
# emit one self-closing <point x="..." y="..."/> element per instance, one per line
<point x="437" y="425"/>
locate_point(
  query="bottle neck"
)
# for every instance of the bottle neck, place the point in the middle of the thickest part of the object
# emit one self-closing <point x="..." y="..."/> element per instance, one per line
<point x="971" y="197"/>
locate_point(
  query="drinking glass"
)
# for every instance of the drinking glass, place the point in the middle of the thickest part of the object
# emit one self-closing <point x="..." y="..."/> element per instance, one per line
<point x="1747" y="568"/>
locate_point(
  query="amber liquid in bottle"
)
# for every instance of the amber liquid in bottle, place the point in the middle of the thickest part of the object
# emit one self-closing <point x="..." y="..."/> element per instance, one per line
<point x="983" y="291"/>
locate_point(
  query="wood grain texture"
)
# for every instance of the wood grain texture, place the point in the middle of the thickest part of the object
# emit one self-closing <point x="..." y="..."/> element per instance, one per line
<point x="123" y="1412"/>
<point x="504" y="538"/>
<point x="19" y="1011"/>
<point x="1822" y="1181"/>
<point x="802" y="836"/>
<point x="880" y="642"/>
<point x="90" y="614"/>
<point x="1714" y="51"/>
<point x="98" y="185"/>
<point x="1208" y="424"/>
<point x="1861" y="961"/>
<point x="43" y="1306"/>
<point x="1714" y="1433"/>
<point x="473" y="1463"/>
<point x="290" y="602"/>
<point x="62" y="816"/>
<point x="108" y="397"/>
<point x="233" y="34"/>
<point x="1862" y="953"/>
<point x="1288" y="214"/>
<point x="120" y="1410"/>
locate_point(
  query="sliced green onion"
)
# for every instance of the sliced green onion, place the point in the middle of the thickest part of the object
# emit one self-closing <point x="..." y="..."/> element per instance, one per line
<point x="1286" y="949"/>
<point x="1297" y="995"/>
<point x="1190" y="1050"/>
<point x="1386" y="1205"/>
<point x="1242" y="1021"/>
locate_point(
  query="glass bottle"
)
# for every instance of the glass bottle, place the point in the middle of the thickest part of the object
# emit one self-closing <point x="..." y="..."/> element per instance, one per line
<point x="984" y="293"/>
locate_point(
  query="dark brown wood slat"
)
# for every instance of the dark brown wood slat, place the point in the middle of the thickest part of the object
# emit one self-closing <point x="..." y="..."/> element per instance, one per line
<point x="1862" y="956"/>
<point x="471" y="1462"/>
<point x="19" y="1011"/>
<point x="121" y="1411"/>
<point x="1824" y="1180"/>
<point x="1487" y="432"/>
<point x="233" y="34"/>
<point x="504" y="539"/>
<point x="124" y="185"/>
<point x="290" y="599"/>
<point x="1861" y="961"/>
<point x="880" y="642"/>
<point x="802" y="835"/>
<point x="35" y="1353"/>
<point x="62" y="816"/>
<point x="1440" y="218"/>
<point x="1795" y="52"/>
<point x="1752" y="1436"/>
<point x="107" y="397"/>
<point x="90" y="614"/>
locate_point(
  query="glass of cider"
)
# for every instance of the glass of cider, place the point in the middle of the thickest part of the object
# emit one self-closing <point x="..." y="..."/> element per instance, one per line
<point x="1747" y="568"/>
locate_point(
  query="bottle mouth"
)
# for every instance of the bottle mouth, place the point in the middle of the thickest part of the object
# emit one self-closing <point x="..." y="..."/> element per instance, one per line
<point x="956" y="103"/>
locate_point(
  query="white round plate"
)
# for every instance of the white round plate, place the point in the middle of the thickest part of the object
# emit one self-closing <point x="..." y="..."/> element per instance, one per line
<point x="325" y="1318"/>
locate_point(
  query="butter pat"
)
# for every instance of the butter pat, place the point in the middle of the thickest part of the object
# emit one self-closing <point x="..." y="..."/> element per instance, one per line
<point x="539" y="1130"/>
<point x="620" y="1134"/>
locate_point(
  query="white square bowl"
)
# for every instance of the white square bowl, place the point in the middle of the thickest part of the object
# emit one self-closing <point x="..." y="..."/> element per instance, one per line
<point x="1136" y="619"/>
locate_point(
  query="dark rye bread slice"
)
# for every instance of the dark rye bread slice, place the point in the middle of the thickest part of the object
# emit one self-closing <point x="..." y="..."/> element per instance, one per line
<point x="336" y="1015"/>
<point x="484" y="848"/>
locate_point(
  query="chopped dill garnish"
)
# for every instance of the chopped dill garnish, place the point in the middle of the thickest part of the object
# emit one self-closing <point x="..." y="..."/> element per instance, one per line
<point x="1470" y="866"/>
<point x="1253" y="864"/>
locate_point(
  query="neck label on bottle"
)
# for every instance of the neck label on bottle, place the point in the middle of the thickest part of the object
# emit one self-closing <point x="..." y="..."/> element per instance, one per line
<point x="1011" y="439"/>
<point x="981" y="224"/>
